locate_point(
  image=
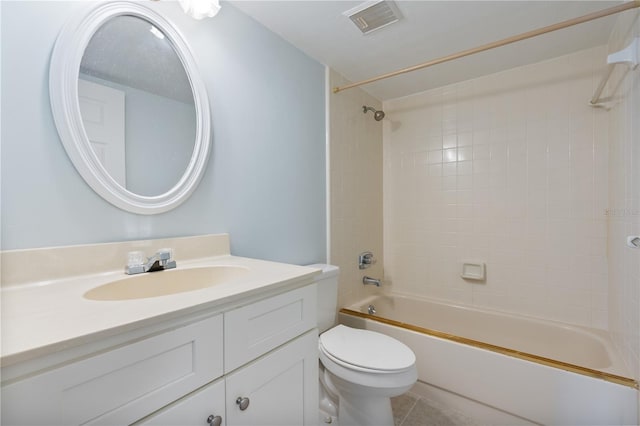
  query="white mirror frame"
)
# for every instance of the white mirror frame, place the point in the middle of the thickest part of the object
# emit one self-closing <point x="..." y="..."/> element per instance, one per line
<point x="63" y="92"/>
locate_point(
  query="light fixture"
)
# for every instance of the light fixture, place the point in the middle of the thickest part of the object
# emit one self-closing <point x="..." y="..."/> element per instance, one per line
<point x="199" y="9"/>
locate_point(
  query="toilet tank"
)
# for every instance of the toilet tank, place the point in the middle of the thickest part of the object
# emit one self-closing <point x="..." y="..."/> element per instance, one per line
<point x="327" y="295"/>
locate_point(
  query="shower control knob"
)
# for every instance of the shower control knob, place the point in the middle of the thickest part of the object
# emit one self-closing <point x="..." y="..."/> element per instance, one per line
<point x="214" y="420"/>
<point x="366" y="259"/>
<point x="243" y="402"/>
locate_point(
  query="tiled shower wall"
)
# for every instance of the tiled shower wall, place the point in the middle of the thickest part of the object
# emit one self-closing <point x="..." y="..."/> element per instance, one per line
<point x="511" y="170"/>
<point x="624" y="199"/>
<point x="355" y="145"/>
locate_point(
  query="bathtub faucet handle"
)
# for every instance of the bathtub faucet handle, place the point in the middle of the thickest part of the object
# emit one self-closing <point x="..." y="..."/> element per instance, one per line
<point x="366" y="259"/>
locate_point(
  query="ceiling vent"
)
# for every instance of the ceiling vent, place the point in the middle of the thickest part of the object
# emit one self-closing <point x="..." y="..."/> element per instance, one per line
<point x="373" y="15"/>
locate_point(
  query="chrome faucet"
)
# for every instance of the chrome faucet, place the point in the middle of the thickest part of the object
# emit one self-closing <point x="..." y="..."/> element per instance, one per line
<point x="158" y="262"/>
<point x="366" y="259"/>
<point x="368" y="280"/>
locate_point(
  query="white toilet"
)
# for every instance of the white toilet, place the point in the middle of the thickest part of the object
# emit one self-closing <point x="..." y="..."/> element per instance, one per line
<point x="360" y="369"/>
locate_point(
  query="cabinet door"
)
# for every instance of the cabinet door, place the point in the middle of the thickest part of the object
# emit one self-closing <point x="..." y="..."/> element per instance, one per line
<point x="281" y="387"/>
<point x="192" y="410"/>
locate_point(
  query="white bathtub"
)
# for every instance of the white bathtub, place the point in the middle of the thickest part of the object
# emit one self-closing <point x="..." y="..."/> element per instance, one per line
<point x="535" y="370"/>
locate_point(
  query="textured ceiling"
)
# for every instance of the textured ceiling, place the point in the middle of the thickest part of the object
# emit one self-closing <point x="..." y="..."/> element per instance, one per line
<point x="125" y="51"/>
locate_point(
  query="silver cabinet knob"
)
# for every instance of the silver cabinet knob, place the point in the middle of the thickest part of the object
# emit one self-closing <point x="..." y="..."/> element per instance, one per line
<point x="214" y="420"/>
<point x="243" y="402"/>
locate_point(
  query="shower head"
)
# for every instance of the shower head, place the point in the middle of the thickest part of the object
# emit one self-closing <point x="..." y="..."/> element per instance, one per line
<point x="377" y="115"/>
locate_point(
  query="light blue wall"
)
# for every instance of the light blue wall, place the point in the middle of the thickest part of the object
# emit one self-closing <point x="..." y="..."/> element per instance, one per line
<point x="265" y="183"/>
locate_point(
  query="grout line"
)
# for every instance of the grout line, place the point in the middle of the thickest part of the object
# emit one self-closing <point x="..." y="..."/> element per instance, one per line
<point x="410" y="410"/>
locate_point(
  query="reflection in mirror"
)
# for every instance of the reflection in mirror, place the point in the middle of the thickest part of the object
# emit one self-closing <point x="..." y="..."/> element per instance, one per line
<point x="137" y="105"/>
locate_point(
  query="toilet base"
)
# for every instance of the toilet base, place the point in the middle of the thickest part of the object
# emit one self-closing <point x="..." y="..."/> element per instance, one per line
<point x="361" y="405"/>
<point x="356" y="410"/>
<point x="327" y="419"/>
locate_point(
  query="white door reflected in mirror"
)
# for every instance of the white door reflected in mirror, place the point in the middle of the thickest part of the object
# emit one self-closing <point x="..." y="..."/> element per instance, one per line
<point x="103" y="116"/>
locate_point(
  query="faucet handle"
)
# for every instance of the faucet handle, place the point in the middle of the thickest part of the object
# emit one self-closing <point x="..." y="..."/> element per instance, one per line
<point x="164" y="254"/>
<point x="135" y="258"/>
<point x="366" y="259"/>
<point x="135" y="262"/>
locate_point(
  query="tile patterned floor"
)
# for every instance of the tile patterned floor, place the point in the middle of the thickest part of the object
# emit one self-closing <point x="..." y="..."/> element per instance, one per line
<point x="412" y="410"/>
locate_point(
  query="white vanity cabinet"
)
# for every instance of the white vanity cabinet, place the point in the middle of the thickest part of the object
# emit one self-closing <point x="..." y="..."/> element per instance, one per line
<point x="278" y="389"/>
<point x="271" y="367"/>
<point x="264" y="350"/>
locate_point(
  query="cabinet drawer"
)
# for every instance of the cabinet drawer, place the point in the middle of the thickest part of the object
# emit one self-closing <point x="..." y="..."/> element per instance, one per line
<point x="121" y="385"/>
<point x="255" y="329"/>
<point x="192" y="410"/>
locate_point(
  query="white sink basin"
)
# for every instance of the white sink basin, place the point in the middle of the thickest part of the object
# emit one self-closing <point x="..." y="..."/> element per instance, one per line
<point x="162" y="283"/>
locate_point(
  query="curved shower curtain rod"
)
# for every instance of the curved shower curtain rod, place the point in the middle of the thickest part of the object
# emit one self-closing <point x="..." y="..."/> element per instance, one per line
<point x="529" y="34"/>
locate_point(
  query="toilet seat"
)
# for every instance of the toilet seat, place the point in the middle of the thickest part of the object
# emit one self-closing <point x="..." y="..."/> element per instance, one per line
<point x="363" y="362"/>
<point x="352" y="367"/>
<point x="366" y="351"/>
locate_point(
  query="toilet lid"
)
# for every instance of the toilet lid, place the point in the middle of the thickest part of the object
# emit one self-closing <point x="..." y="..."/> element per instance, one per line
<point x="367" y="349"/>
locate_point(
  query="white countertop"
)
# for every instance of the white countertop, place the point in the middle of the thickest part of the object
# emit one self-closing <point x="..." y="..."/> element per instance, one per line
<point x="44" y="317"/>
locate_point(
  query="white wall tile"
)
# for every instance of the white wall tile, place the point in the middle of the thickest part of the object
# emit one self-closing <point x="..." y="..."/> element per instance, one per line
<point x="356" y="167"/>
<point x="622" y="219"/>
<point x="514" y="185"/>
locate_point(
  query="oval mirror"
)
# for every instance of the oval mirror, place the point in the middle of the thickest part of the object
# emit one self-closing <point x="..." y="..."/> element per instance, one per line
<point x="130" y="107"/>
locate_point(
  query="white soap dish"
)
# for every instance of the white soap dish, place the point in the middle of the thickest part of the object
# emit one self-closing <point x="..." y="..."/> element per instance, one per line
<point x="473" y="271"/>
